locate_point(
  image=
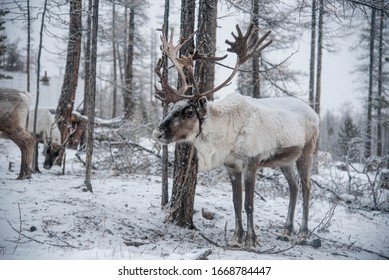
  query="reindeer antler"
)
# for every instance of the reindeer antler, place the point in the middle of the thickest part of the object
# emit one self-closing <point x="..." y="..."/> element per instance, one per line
<point x="243" y="51"/>
<point x="169" y="94"/>
<point x="244" y="46"/>
<point x="241" y="45"/>
<point x="66" y="141"/>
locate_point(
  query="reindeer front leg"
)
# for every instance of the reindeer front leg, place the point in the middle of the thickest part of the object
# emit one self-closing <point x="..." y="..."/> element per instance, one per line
<point x="25" y="143"/>
<point x="236" y="181"/>
<point x="249" y="185"/>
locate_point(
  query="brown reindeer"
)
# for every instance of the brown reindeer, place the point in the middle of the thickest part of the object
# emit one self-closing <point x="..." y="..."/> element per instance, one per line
<point x="14" y="106"/>
<point x="242" y="133"/>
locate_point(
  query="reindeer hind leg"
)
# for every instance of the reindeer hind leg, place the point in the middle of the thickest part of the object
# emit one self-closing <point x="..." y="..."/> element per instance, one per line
<point x="304" y="167"/>
<point x="249" y="184"/>
<point x="236" y="181"/>
<point x="293" y="190"/>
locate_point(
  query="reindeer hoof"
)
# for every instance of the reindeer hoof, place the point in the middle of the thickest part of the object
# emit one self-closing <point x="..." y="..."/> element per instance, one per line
<point x="236" y="243"/>
<point x="250" y="240"/>
<point x="250" y="243"/>
<point x="287" y="234"/>
<point x="302" y="238"/>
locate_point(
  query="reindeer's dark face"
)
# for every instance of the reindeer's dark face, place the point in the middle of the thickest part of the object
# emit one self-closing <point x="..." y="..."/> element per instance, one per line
<point x="51" y="154"/>
<point x="182" y="123"/>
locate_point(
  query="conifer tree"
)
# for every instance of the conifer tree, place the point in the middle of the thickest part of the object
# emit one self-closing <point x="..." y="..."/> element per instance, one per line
<point x="348" y="133"/>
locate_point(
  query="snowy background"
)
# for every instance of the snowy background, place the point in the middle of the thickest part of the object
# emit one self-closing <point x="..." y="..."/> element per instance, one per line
<point x="51" y="217"/>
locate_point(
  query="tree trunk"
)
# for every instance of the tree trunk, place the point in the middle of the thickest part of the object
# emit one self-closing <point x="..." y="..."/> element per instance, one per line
<point x="313" y="57"/>
<point x="128" y="95"/>
<point x="114" y="92"/>
<point x="370" y="93"/>
<point x="92" y="97"/>
<point x="184" y="185"/>
<point x="165" y="154"/>
<point x="28" y="66"/>
<point x="380" y="83"/>
<point x="185" y="163"/>
<point x="255" y="80"/>
<point x="69" y="86"/>
<point x="319" y="65"/>
<point x="78" y="138"/>
<point x="206" y="37"/>
<point x="319" y="57"/>
<point x="35" y="161"/>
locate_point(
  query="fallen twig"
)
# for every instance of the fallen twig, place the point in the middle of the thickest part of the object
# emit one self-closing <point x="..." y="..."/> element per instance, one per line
<point x="349" y="247"/>
<point x="338" y="197"/>
<point x="132" y="144"/>
<point x="209" y="240"/>
<point x="38" y="241"/>
<point x="204" y="255"/>
<point x="20" y="229"/>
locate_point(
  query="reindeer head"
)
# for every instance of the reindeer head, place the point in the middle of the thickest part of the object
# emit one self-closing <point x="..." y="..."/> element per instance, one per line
<point x="51" y="151"/>
<point x="183" y="122"/>
<point x="54" y="149"/>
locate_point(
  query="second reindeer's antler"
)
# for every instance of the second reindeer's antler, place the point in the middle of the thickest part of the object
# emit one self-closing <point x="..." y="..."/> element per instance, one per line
<point x="245" y="46"/>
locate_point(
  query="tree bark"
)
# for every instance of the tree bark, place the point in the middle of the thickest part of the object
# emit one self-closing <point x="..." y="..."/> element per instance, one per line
<point x="35" y="161"/>
<point x="92" y="97"/>
<point x="28" y="66"/>
<point x="165" y="154"/>
<point x="313" y="57"/>
<point x="380" y="83"/>
<point x="114" y="91"/>
<point x="319" y="66"/>
<point x="185" y="163"/>
<point x="206" y="37"/>
<point x="129" y="97"/>
<point x="319" y="57"/>
<point x="255" y="79"/>
<point x="370" y="92"/>
<point x="78" y="138"/>
<point x="69" y="86"/>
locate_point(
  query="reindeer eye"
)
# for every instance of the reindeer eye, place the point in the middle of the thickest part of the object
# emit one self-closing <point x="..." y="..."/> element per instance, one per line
<point x="189" y="114"/>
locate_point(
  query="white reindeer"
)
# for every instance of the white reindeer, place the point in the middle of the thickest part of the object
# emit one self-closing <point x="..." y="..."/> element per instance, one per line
<point x="47" y="132"/>
<point x="243" y="134"/>
<point x="14" y="106"/>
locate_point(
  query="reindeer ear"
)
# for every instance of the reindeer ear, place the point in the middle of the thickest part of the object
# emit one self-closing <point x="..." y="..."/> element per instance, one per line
<point x="202" y="107"/>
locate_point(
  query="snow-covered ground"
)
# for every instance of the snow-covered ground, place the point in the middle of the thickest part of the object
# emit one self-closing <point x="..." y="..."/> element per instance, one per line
<point x="51" y="217"/>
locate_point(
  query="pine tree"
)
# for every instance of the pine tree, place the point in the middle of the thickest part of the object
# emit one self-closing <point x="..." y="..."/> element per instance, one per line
<point x="348" y="133"/>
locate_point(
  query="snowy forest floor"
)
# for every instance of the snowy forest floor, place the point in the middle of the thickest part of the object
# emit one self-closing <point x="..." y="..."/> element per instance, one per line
<point x="51" y="217"/>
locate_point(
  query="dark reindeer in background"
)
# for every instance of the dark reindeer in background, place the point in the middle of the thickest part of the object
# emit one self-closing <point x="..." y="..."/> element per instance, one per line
<point x="242" y="133"/>
<point x="14" y="109"/>
<point x="47" y="133"/>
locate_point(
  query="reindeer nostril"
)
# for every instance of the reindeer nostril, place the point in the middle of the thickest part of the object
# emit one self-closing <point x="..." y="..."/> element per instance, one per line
<point x="157" y="134"/>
